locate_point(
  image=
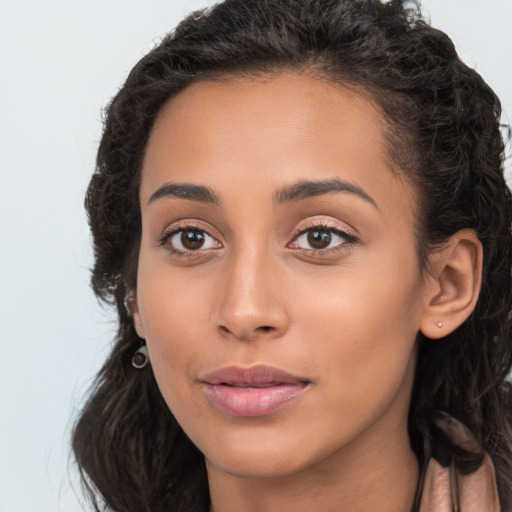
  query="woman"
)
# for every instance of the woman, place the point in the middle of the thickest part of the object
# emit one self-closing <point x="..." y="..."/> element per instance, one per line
<point x="300" y="213"/>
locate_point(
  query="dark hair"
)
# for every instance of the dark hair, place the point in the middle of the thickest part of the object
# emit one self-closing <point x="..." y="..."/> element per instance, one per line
<point x="444" y="137"/>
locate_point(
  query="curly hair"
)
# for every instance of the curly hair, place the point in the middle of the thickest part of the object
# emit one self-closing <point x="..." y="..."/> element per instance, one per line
<point x="444" y="136"/>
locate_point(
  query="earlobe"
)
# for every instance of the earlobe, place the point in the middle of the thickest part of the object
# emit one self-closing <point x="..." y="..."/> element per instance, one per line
<point x="454" y="285"/>
<point x="132" y="307"/>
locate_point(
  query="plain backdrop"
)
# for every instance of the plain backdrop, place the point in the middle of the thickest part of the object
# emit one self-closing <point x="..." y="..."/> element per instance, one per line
<point x="60" y="63"/>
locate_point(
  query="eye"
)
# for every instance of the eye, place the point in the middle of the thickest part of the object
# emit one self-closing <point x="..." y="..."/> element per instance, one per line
<point x="321" y="238"/>
<point x="188" y="240"/>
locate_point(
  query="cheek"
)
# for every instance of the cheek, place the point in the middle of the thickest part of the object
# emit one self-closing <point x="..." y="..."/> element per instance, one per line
<point x="174" y="311"/>
<point x="172" y="300"/>
<point x="361" y="327"/>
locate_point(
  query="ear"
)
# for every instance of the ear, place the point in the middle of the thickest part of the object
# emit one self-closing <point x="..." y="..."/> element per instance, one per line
<point x="132" y="307"/>
<point x="453" y="286"/>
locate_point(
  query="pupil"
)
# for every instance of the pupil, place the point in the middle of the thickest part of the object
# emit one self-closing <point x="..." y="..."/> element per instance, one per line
<point x="319" y="239"/>
<point x="192" y="239"/>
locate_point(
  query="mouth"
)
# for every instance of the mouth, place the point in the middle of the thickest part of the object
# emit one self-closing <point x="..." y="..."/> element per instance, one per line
<point x="251" y="392"/>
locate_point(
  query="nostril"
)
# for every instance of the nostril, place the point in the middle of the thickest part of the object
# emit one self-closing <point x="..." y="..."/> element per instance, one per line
<point x="246" y="333"/>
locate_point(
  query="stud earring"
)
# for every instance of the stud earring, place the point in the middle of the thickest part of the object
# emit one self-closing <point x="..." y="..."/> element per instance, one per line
<point x="439" y="324"/>
<point x="140" y="358"/>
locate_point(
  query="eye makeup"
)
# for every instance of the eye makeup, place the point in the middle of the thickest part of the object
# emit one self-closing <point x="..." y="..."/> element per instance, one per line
<point x="318" y="238"/>
<point x="326" y="239"/>
<point x="188" y="240"/>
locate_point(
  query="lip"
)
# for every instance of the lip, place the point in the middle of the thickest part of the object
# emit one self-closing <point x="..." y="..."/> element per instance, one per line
<point x="256" y="391"/>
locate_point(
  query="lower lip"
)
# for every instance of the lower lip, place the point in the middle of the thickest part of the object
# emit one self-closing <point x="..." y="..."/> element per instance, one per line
<point x="252" y="401"/>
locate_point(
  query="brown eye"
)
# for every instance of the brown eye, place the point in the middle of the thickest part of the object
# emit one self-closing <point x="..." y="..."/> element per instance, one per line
<point x="192" y="239"/>
<point x="188" y="240"/>
<point x="319" y="238"/>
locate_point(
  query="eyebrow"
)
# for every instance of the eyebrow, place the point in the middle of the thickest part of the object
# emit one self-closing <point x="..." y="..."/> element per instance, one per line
<point x="189" y="191"/>
<point x="298" y="191"/>
<point x="307" y="189"/>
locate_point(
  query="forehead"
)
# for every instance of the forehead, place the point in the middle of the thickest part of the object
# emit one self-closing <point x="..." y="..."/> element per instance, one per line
<point x="272" y="128"/>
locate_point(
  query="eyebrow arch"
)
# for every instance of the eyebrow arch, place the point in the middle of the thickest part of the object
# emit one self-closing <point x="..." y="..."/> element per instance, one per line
<point x="186" y="191"/>
<point x="306" y="189"/>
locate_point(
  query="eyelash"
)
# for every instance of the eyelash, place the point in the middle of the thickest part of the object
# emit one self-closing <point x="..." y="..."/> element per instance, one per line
<point x="349" y="240"/>
<point x="163" y="241"/>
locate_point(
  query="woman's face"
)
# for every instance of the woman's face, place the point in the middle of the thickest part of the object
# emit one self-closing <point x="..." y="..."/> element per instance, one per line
<point x="279" y="289"/>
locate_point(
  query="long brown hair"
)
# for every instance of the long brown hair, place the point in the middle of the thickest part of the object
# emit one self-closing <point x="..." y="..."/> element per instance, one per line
<point x="444" y="136"/>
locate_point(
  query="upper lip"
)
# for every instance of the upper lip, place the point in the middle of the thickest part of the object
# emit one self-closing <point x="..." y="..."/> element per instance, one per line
<point x="254" y="376"/>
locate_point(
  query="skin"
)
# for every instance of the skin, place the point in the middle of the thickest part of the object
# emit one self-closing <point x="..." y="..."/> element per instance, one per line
<point x="345" y="318"/>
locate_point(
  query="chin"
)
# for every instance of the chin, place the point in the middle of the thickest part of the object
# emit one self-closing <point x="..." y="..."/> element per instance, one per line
<point x="259" y="454"/>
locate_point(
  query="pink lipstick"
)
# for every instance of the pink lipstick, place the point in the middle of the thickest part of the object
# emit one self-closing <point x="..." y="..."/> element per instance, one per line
<point x="255" y="391"/>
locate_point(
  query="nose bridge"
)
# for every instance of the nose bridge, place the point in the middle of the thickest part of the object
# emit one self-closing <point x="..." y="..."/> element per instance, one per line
<point x="250" y="305"/>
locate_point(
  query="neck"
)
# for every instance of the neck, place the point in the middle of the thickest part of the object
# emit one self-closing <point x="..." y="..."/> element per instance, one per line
<point x="384" y="480"/>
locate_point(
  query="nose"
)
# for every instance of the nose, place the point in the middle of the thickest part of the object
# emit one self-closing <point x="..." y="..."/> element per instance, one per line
<point x="252" y="299"/>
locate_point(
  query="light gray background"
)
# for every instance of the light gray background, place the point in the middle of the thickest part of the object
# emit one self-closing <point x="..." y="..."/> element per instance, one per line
<point x="60" y="62"/>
